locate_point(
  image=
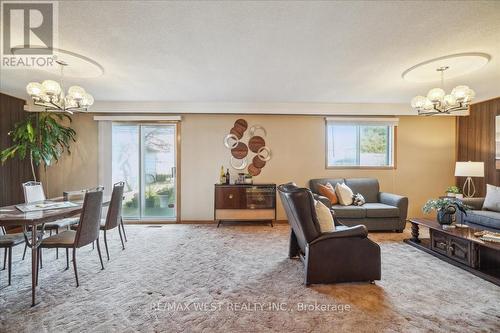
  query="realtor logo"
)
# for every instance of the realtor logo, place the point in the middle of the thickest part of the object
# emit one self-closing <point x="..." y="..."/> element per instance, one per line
<point x="29" y="33"/>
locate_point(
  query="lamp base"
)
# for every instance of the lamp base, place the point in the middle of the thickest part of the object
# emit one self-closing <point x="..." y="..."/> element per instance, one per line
<point x="469" y="189"/>
<point x="458" y="225"/>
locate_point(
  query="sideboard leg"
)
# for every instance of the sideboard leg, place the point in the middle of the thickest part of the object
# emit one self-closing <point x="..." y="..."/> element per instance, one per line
<point x="218" y="223"/>
<point x="414" y="233"/>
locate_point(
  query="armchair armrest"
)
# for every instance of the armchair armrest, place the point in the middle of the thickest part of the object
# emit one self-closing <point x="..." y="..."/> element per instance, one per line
<point x="475" y="203"/>
<point x="396" y="201"/>
<point x="323" y="200"/>
<point x="356" y="231"/>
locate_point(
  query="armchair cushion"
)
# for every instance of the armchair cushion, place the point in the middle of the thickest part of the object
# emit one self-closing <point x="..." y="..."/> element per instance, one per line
<point x="325" y="217"/>
<point x="380" y="210"/>
<point x="356" y="231"/>
<point x="350" y="212"/>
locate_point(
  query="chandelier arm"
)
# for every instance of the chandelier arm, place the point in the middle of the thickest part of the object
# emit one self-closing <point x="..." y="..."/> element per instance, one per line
<point x="55" y="105"/>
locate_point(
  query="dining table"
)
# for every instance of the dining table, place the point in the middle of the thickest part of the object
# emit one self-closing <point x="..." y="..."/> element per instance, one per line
<point x="31" y="220"/>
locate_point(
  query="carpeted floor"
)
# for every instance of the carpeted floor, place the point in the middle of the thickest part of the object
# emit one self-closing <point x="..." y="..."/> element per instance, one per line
<point x="196" y="278"/>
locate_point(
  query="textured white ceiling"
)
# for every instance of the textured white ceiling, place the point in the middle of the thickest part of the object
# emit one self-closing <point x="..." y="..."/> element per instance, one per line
<point x="271" y="51"/>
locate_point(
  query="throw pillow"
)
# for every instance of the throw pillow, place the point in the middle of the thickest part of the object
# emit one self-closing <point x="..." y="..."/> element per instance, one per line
<point x="329" y="192"/>
<point x="492" y="199"/>
<point x="358" y="200"/>
<point x="325" y="217"/>
<point x="344" y="193"/>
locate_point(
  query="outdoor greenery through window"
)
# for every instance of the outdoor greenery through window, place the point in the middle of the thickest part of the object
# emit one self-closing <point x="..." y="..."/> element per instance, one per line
<point x="363" y="144"/>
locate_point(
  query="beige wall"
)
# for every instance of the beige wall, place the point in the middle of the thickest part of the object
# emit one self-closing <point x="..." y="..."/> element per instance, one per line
<point x="425" y="158"/>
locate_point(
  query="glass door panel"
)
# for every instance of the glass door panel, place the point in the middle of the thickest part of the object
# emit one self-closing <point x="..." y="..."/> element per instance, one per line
<point x="125" y="166"/>
<point x="158" y="171"/>
<point x="144" y="156"/>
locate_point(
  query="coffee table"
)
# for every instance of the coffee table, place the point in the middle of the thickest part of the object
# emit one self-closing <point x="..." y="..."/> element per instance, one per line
<point x="459" y="247"/>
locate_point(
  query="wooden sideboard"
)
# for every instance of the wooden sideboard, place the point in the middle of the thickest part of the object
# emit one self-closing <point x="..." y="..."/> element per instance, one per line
<point x="242" y="202"/>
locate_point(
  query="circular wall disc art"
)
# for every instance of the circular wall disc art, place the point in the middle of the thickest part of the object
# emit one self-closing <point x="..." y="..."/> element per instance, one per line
<point x="256" y="128"/>
<point x="255" y="143"/>
<point x="264" y="153"/>
<point x="231" y="141"/>
<point x="238" y="164"/>
<point x="240" y="151"/>
<point x="236" y="131"/>
<point x="253" y="170"/>
<point x="258" y="163"/>
<point x="241" y="125"/>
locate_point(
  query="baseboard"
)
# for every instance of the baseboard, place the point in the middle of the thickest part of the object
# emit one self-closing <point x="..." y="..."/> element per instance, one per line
<point x="144" y="222"/>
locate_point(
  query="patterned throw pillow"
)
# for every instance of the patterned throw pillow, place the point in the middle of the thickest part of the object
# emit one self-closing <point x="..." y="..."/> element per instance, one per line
<point x="358" y="200"/>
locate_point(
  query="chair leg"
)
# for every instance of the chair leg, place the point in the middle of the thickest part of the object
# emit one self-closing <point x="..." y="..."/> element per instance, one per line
<point x="99" y="251"/>
<point x="57" y="249"/>
<point x="121" y="238"/>
<point x="106" y="244"/>
<point x="67" y="258"/>
<point x="41" y="259"/>
<point x="10" y="264"/>
<point x="123" y="228"/>
<point x="4" y="258"/>
<point x="93" y="245"/>
<point x="37" y="265"/>
<point x="25" y="248"/>
<point x="74" y="267"/>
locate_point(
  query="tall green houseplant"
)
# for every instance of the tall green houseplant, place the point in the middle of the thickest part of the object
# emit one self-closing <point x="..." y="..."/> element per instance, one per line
<point x="41" y="137"/>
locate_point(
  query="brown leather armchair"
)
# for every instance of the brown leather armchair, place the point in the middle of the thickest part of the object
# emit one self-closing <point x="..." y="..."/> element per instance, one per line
<point x="344" y="255"/>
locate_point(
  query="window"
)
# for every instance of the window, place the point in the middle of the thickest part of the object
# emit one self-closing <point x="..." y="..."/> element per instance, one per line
<point x="355" y="142"/>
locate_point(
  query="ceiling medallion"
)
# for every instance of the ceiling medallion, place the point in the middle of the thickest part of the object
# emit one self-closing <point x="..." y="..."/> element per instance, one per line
<point x="50" y="95"/>
<point x="438" y="102"/>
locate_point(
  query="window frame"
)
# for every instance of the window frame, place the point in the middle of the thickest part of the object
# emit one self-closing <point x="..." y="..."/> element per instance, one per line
<point x="358" y="123"/>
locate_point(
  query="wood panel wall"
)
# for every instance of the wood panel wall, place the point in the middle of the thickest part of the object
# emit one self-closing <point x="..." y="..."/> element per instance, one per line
<point x="14" y="172"/>
<point x="476" y="142"/>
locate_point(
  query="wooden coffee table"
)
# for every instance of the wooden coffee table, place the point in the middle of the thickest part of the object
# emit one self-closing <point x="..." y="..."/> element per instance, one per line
<point x="459" y="247"/>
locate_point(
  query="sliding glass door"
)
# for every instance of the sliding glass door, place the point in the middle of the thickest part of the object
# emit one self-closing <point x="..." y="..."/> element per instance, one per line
<point x="145" y="157"/>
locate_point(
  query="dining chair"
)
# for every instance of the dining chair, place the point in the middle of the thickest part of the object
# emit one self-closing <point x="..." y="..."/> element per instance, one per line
<point x="114" y="216"/>
<point x="33" y="192"/>
<point x="86" y="233"/>
<point x="7" y="242"/>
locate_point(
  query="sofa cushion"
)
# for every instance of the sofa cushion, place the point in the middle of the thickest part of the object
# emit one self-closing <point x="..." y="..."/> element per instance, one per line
<point x="380" y="210"/>
<point x="483" y="217"/>
<point x="313" y="183"/>
<point x="349" y="211"/>
<point x="368" y="187"/>
<point x="344" y="193"/>
<point x="328" y="191"/>
<point x="492" y="199"/>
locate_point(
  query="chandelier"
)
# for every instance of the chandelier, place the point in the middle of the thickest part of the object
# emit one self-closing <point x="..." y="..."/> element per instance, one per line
<point x="50" y="95"/>
<point x="438" y="102"/>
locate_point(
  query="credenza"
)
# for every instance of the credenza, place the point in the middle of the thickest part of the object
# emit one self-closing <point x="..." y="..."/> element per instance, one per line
<point x="244" y="202"/>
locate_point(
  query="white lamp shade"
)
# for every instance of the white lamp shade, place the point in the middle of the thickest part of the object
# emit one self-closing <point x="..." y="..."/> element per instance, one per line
<point x="469" y="169"/>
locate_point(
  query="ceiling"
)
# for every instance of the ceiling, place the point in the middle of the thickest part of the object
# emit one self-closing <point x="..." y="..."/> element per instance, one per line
<point x="270" y="51"/>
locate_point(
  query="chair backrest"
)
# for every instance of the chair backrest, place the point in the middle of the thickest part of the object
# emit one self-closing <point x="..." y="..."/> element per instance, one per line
<point x="115" y="206"/>
<point x="33" y="192"/>
<point x="90" y="218"/>
<point x="300" y="211"/>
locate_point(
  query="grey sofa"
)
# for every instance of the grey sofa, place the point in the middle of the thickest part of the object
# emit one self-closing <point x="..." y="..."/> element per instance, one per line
<point x="382" y="211"/>
<point x="479" y="218"/>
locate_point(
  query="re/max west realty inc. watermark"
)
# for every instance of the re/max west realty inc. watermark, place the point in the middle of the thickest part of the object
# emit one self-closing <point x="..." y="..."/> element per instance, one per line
<point x="29" y="34"/>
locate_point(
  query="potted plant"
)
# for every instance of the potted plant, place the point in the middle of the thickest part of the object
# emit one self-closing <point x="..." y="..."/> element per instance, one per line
<point x="445" y="208"/>
<point x="165" y="194"/>
<point x="42" y="138"/>
<point x="453" y="191"/>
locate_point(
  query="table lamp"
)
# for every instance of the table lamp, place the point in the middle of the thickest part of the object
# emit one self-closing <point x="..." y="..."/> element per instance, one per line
<point x="469" y="170"/>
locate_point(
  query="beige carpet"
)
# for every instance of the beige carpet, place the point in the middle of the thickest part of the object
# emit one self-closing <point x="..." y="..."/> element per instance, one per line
<point x="196" y="278"/>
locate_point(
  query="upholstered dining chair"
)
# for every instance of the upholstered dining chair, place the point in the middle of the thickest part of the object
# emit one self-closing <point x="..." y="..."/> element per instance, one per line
<point x="114" y="216"/>
<point x="33" y="192"/>
<point x="86" y="233"/>
<point x="7" y="242"/>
